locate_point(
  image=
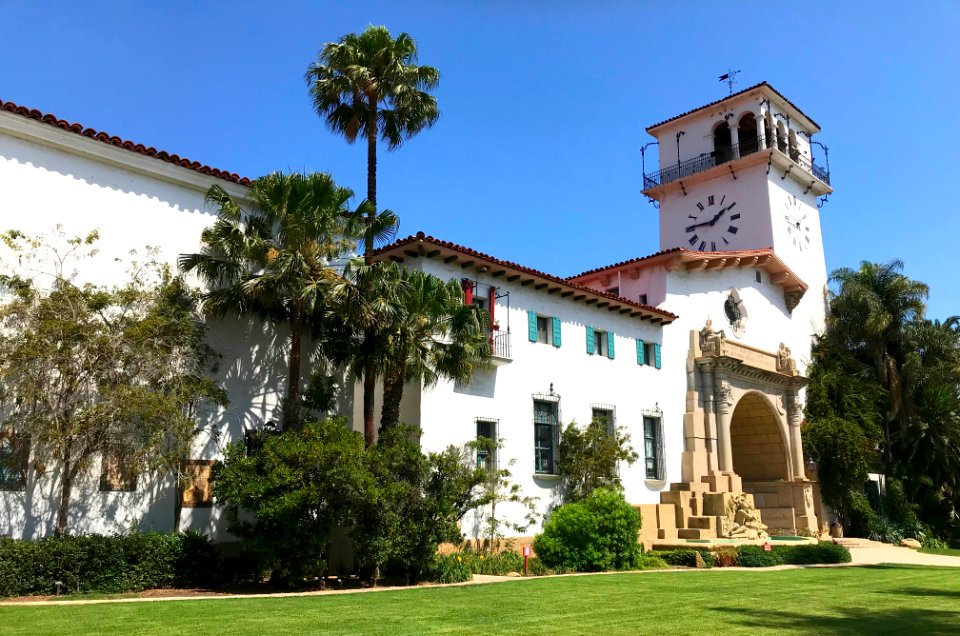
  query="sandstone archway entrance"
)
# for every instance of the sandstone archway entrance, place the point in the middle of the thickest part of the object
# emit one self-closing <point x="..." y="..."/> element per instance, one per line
<point x="759" y="451"/>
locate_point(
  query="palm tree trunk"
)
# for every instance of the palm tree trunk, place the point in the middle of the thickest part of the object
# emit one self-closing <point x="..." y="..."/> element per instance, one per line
<point x="369" y="377"/>
<point x="392" y="396"/>
<point x="291" y="408"/>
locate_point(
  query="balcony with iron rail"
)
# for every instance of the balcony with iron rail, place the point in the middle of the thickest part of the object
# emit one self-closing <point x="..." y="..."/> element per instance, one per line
<point x="500" y="348"/>
<point x="726" y="154"/>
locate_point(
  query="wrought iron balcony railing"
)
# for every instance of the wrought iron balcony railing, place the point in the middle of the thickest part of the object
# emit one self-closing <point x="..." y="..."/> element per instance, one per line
<point x="500" y="344"/>
<point x="723" y="154"/>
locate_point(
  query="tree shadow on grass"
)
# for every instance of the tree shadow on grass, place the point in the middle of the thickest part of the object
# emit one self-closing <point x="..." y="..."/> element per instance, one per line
<point x="919" y="591"/>
<point x="848" y="621"/>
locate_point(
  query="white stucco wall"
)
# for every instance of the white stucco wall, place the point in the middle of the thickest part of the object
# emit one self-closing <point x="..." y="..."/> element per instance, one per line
<point x="505" y="393"/>
<point x="50" y="177"/>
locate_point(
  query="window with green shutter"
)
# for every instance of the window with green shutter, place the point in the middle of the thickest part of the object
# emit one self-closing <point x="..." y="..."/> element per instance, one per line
<point x="610" y="351"/>
<point x="532" y="325"/>
<point x="591" y="342"/>
<point x="656" y="355"/>
<point x="556" y="332"/>
<point x="641" y="350"/>
<point x="543" y="329"/>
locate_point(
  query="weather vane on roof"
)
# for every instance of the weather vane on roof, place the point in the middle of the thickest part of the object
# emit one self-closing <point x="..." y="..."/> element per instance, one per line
<point x="730" y="77"/>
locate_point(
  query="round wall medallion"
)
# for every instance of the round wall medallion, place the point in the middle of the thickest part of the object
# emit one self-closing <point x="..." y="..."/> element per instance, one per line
<point x="735" y="312"/>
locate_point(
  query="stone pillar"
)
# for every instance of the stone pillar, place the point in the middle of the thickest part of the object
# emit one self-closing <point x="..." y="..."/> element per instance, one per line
<point x="710" y="422"/>
<point x="794" y="418"/>
<point x="735" y="140"/>
<point x="724" y="397"/>
<point x="761" y="130"/>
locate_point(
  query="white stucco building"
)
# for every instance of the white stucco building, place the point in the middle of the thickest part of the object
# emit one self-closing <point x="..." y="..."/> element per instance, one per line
<point x="740" y="245"/>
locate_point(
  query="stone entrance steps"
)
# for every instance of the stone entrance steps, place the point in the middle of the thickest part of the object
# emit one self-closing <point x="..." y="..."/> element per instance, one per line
<point x="683" y="511"/>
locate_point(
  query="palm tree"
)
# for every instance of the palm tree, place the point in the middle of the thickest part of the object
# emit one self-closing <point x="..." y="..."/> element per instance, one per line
<point x="870" y="315"/>
<point x="272" y="259"/>
<point x="369" y="85"/>
<point x="436" y="336"/>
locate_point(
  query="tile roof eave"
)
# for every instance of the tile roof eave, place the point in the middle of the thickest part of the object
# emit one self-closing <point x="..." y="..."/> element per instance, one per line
<point x="763" y="84"/>
<point x="106" y="138"/>
<point x="648" y="312"/>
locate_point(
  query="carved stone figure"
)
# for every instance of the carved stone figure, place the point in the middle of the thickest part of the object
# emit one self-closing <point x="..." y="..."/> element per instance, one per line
<point x="744" y="522"/>
<point x="785" y="361"/>
<point x="711" y="340"/>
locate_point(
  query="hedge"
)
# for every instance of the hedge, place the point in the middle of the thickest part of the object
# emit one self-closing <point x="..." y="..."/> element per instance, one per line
<point x="755" y="556"/>
<point x="106" y="564"/>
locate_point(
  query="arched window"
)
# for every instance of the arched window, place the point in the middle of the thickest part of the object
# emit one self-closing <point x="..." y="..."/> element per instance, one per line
<point x="794" y="150"/>
<point x="781" y="138"/>
<point x="768" y="130"/>
<point x="749" y="143"/>
<point x="722" y="146"/>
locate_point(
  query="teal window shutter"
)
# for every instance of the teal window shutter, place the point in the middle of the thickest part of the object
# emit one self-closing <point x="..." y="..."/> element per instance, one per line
<point x="532" y="325"/>
<point x="556" y="332"/>
<point x="656" y="355"/>
<point x="610" y="345"/>
<point x="640" y="359"/>
<point x="590" y="340"/>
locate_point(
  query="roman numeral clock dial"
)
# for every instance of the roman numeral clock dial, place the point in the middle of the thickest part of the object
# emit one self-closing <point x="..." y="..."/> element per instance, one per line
<point x="713" y="223"/>
<point x="798" y="228"/>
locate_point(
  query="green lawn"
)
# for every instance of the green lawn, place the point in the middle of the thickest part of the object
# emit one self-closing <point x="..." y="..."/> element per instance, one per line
<point x="943" y="551"/>
<point x="876" y="600"/>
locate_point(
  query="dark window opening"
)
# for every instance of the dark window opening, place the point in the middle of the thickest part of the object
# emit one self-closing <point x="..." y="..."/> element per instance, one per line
<point x="546" y="436"/>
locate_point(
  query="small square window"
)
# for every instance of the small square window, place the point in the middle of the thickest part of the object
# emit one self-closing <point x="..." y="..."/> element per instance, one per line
<point x="613" y="290"/>
<point x="643" y="299"/>
<point x="759" y="279"/>
<point x="606" y="415"/>
<point x="544" y="324"/>
<point x="487" y="448"/>
<point x="650" y="353"/>
<point x="14" y="456"/>
<point x="600" y="342"/>
<point x="117" y="474"/>
<point x="196" y="491"/>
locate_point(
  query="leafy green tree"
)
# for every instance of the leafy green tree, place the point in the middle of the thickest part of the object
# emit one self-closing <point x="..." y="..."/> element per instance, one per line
<point x="369" y="85"/>
<point x="599" y="532"/>
<point x="92" y="370"/>
<point x="434" y="335"/>
<point x="270" y="257"/>
<point x="299" y="488"/>
<point x="589" y="457"/>
<point x="419" y="502"/>
<point x="496" y="491"/>
<point x="870" y="315"/>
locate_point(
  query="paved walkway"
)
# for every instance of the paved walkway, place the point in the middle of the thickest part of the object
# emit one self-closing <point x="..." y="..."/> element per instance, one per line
<point x="866" y="552"/>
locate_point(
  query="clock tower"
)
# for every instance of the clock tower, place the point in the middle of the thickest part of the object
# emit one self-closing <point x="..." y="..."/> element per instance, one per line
<point x="738" y="174"/>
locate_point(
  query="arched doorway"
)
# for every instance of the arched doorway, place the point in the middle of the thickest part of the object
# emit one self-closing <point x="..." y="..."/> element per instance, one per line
<point x="761" y="457"/>
<point x="722" y="144"/>
<point x="758" y="448"/>
<point x="749" y="140"/>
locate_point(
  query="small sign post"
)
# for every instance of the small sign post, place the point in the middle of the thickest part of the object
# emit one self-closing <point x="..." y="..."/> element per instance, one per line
<point x="767" y="547"/>
<point x="526" y="560"/>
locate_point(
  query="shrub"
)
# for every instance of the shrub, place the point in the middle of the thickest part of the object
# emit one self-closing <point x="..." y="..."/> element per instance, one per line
<point x="686" y="558"/>
<point x="450" y="568"/>
<point x="103" y="564"/>
<point x="754" y="556"/>
<point x="725" y="556"/>
<point x="650" y="562"/>
<point x="596" y="533"/>
<point x="823" y="552"/>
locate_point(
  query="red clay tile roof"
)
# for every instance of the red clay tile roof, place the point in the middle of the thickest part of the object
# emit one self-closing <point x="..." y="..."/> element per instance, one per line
<point x="162" y="155"/>
<point x="693" y="260"/>
<point x="672" y="250"/>
<point x="737" y="94"/>
<point x="648" y="311"/>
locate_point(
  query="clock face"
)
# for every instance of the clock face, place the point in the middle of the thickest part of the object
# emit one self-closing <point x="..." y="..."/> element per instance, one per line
<point x="798" y="227"/>
<point x="712" y="223"/>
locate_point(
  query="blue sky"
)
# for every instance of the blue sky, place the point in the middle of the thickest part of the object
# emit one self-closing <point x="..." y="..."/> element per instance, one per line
<point x="536" y="157"/>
